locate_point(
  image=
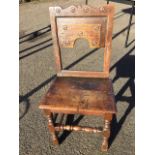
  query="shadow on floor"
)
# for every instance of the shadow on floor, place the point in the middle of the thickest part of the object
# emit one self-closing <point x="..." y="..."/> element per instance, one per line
<point x="36" y="45"/>
<point x="118" y="33"/>
<point x="69" y="120"/>
<point x="36" y="50"/>
<point x="34" y="35"/>
<point x="129" y="10"/>
<point x="26" y="104"/>
<point x="124" y="69"/>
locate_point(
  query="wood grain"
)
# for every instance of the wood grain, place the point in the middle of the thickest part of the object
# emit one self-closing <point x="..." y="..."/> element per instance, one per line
<point x="80" y="95"/>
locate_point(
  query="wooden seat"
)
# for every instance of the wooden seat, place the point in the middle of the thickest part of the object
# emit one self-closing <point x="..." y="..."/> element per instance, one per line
<point x="81" y="92"/>
<point x="92" y="96"/>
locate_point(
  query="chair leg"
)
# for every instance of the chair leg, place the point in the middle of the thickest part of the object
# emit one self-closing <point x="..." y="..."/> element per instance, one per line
<point x="106" y="132"/>
<point x="52" y="129"/>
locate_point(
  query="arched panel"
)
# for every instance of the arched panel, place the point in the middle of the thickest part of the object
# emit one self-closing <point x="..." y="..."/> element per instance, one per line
<point x="91" y="28"/>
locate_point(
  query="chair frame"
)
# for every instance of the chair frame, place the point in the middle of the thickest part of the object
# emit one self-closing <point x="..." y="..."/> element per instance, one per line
<point x="82" y="11"/>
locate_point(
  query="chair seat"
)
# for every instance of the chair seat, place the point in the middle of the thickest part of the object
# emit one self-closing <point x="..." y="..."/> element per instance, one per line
<point x="80" y="95"/>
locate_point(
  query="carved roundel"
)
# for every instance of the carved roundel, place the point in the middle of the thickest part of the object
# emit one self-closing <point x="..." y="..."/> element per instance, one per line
<point x="73" y="9"/>
<point x="81" y="10"/>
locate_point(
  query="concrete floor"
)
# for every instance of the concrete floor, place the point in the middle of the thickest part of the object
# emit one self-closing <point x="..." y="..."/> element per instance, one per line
<point x="37" y="71"/>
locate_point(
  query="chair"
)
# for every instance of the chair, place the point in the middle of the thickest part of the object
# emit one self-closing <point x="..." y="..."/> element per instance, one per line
<point x="81" y="92"/>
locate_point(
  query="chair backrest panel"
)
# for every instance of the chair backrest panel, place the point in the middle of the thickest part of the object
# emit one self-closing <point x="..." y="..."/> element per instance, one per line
<point x="90" y="28"/>
<point x="92" y="24"/>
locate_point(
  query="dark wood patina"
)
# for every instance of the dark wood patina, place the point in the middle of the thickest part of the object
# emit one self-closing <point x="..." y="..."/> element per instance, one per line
<point x="81" y="92"/>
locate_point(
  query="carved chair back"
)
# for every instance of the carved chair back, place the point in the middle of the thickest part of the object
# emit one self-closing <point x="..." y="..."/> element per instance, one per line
<point x="74" y="22"/>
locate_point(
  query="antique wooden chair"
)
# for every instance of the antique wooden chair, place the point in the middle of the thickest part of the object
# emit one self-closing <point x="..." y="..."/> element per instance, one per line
<point x="81" y="92"/>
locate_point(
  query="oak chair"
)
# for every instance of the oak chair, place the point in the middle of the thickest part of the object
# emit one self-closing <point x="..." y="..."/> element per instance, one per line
<point x="81" y="92"/>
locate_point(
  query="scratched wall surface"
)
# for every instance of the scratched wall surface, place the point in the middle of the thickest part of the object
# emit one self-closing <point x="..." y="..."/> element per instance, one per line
<point x="37" y="73"/>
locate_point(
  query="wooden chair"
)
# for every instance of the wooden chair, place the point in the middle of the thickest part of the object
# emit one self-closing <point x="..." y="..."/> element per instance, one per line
<point x="81" y="92"/>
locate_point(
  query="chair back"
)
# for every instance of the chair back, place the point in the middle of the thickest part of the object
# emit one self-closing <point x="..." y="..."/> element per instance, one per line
<point x="82" y="21"/>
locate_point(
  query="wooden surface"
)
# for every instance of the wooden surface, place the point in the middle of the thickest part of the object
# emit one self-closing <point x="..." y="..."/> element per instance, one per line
<point x="84" y="74"/>
<point x="80" y="95"/>
<point x="77" y="128"/>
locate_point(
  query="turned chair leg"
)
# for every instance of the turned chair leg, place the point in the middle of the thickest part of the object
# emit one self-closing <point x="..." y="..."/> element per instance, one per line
<point x="106" y="132"/>
<point x="52" y="129"/>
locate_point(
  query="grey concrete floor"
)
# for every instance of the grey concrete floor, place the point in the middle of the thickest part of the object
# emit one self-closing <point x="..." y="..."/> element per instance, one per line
<point x="37" y="71"/>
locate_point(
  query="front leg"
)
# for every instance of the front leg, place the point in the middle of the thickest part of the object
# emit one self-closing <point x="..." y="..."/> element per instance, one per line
<point x="49" y="116"/>
<point x="106" y="132"/>
<point x="52" y="130"/>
